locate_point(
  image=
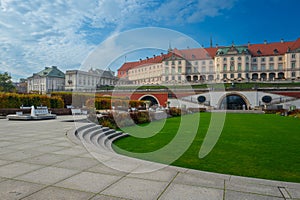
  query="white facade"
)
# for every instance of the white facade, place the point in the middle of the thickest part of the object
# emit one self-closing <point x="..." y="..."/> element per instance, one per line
<point x="48" y="80"/>
<point x="88" y="81"/>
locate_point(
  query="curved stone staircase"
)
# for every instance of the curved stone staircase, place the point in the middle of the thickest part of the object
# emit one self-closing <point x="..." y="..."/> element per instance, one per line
<point x="98" y="141"/>
<point x="96" y="136"/>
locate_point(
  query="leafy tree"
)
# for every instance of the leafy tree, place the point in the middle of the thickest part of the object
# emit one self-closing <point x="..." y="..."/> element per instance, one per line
<point x="6" y="84"/>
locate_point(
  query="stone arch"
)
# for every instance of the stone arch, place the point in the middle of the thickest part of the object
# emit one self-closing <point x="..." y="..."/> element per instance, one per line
<point x="151" y="98"/>
<point x="233" y="101"/>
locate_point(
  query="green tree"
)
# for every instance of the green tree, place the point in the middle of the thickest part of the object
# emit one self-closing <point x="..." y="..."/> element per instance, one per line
<point x="6" y="84"/>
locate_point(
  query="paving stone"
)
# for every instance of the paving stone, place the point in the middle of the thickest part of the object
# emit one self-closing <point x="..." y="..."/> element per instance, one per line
<point x="17" y="168"/>
<point x="47" y="159"/>
<point x="24" y="146"/>
<point x="253" y="188"/>
<point x="199" y="180"/>
<point x="233" y="195"/>
<point x="20" y="155"/>
<point x="71" y="151"/>
<point x="89" y="182"/>
<point x="178" y="191"/>
<point x="78" y="163"/>
<point x="48" y="148"/>
<point x="101" y="168"/>
<point x="4" y="162"/>
<point x="48" y="175"/>
<point x="6" y="143"/>
<point x="209" y="175"/>
<point x="104" y="197"/>
<point x="158" y="175"/>
<point x="294" y="193"/>
<point x="132" y="188"/>
<point x="54" y="193"/>
<point x="12" y="189"/>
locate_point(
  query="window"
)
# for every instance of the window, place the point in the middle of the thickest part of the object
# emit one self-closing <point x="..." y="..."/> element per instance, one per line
<point x="211" y="69"/>
<point x="167" y="62"/>
<point x="247" y="58"/>
<point x="239" y="66"/>
<point x="232" y="58"/>
<point x="271" y="59"/>
<point x="173" y="70"/>
<point x="254" y="59"/>
<point x="293" y="64"/>
<point x="167" y="78"/>
<point x="224" y="59"/>
<point x="263" y="67"/>
<point x="231" y="75"/>
<point x="271" y="67"/>
<point x="179" y="78"/>
<point x="231" y="67"/>
<point x="211" y="62"/>
<point x="203" y="69"/>
<point x="195" y="69"/>
<point x="224" y="76"/>
<point x="247" y="67"/>
<point x="239" y="75"/>
<point x="239" y="58"/>
<point x="280" y="58"/>
<point x="203" y="62"/>
<point x="179" y="69"/>
<point x="254" y="67"/>
<point x="179" y="62"/>
<point x="225" y="67"/>
<point x="293" y="74"/>
<point x="293" y="55"/>
<point x="167" y="70"/>
<point x="173" y="62"/>
<point x="262" y="59"/>
<point x="280" y="66"/>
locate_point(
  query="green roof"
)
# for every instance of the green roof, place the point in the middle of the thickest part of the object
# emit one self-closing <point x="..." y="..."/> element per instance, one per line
<point x="233" y="50"/>
<point x="51" y="72"/>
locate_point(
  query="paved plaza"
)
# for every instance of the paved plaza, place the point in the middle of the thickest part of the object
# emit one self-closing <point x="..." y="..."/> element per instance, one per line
<point x="38" y="161"/>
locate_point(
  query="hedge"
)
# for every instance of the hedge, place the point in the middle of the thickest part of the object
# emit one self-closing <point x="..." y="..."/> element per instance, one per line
<point x="78" y="99"/>
<point x="13" y="100"/>
<point x="107" y="103"/>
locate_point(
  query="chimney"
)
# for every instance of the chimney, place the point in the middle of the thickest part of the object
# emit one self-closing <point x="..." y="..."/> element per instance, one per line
<point x="154" y="56"/>
<point x="217" y="45"/>
<point x="147" y="58"/>
<point x="282" y="40"/>
<point x="265" y="42"/>
<point x="249" y="43"/>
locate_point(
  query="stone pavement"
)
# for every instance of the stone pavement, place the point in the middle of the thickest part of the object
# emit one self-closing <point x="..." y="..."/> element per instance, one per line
<point x="38" y="161"/>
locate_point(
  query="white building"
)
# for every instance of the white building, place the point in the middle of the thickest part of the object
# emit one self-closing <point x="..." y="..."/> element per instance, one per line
<point x="48" y="80"/>
<point x="77" y="80"/>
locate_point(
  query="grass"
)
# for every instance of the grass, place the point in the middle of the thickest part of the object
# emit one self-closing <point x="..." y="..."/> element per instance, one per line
<point x="252" y="145"/>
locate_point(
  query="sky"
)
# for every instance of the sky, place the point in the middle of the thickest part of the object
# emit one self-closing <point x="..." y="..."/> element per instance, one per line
<point x="82" y="34"/>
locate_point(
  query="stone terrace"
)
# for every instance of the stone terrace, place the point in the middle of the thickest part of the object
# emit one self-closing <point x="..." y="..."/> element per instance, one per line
<point x="38" y="161"/>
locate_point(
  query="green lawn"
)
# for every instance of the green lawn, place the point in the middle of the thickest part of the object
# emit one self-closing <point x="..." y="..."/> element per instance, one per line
<point x="253" y="145"/>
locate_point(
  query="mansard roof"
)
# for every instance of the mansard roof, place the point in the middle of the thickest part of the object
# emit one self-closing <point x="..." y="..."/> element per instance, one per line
<point x="51" y="72"/>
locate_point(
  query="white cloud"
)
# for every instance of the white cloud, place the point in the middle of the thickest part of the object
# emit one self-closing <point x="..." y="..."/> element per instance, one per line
<point x="38" y="33"/>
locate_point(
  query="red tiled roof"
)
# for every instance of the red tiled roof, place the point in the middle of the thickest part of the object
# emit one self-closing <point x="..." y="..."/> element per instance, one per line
<point x="197" y="53"/>
<point x="296" y="44"/>
<point x="269" y="49"/>
<point x="157" y="59"/>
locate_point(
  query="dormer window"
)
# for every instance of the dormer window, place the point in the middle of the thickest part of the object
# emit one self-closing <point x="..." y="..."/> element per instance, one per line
<point x="258" y="52"/>
<point x="275" y="51"/>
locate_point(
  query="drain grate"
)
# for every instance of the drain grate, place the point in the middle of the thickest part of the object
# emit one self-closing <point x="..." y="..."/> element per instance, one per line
<point x="284" y="193"/>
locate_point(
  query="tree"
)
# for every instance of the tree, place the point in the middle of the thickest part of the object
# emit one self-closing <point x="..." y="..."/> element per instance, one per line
<point x="6" y="84"/>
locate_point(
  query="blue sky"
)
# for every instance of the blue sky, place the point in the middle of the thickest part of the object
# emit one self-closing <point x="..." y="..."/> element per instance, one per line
<point x="66" y="33"/>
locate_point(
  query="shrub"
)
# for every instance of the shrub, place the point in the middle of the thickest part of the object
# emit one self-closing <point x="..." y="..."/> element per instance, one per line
<point x="12" y="100"/>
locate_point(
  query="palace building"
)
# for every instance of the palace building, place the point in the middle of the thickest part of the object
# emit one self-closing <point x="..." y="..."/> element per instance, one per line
<point x="277" y="61"/>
